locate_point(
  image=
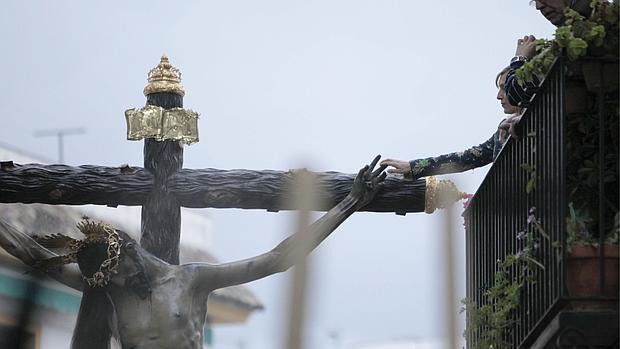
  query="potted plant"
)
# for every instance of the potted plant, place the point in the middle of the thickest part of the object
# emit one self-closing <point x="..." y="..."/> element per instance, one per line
<point x="583" y="257"/>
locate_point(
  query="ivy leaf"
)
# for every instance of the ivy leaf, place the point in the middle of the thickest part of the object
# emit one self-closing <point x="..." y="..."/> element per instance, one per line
<point x="520" y="74"/>
<point x="563" y="35"/>
<point x="596" y="35"/>
<point x="541" y="44"/>
<point x="531" y="185"/>
<point x="576" y="48"/>
<point x="527" y="167"/>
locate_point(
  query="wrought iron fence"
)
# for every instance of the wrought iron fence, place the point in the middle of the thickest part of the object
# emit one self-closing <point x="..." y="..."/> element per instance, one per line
<point x="527" y="185"/>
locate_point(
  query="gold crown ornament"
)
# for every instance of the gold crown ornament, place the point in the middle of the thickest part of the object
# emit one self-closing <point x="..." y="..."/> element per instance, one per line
<point x="164" y="78"/>
<point x="158" y="123"/>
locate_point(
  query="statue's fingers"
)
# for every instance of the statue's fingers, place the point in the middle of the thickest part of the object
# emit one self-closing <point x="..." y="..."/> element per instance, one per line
<point x="382" y="177"/>
<point x="379" y="170"/>
<point x="395" y="170"/>
<point x="374" y="162"/>
<point x="379" y="179"/>
<point x="362" y="171"/>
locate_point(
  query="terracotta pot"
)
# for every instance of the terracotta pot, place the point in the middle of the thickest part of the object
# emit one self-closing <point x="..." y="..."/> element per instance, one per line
<point x="583" y="273"/>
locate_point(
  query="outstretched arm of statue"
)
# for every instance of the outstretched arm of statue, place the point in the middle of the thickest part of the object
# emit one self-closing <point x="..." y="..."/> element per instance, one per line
<point x="26" y="249"/>
<point x="297" y="246"/>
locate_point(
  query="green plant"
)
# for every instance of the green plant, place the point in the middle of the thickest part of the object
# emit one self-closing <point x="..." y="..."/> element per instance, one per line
<point x="576" y="37"/>
<point x="578" y="231"/>
<point x="585" y="169"/>
<point x="492" y="322"/>
<point x="531" y="182"/>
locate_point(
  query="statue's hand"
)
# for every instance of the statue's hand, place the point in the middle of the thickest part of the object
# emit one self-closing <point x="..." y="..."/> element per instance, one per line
<point x="368" y="183"/>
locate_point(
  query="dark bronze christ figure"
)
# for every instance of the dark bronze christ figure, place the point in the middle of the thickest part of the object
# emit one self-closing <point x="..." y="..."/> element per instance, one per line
<point x="145" y="302"/>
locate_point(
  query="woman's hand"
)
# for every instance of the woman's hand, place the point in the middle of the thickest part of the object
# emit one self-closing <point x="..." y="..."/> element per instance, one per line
<point x="526" y="47"/>
<point x="510" y="125"/>
<point x="399" y="166"/>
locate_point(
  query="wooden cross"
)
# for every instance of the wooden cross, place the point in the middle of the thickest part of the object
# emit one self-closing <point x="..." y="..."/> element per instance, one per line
<point x="162" y="187"/>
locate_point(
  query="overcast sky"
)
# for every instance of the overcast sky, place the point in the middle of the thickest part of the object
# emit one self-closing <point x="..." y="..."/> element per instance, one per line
<point x="279" y="85"/>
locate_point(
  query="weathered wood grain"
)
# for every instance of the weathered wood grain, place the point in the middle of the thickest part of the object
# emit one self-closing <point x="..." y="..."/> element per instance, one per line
<point x="61" y="184"/>
<point x="195" y="188"/>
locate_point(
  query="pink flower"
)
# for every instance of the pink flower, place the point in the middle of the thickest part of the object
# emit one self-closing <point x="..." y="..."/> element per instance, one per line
<point x="466" y="200"/>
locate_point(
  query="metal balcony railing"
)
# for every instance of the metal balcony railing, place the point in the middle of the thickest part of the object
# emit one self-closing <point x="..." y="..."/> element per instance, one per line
<point x="502" y="204"/>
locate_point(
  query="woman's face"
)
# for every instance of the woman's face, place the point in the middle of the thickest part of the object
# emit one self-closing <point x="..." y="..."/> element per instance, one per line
<point x="503" y="98"/>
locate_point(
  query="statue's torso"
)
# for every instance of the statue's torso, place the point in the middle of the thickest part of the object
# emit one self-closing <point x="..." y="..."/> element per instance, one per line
<point x="172" y="317"/>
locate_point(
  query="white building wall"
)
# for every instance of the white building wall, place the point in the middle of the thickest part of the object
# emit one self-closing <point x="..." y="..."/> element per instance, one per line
<point x="196" y="228"/>
<point x="9" y="154"/>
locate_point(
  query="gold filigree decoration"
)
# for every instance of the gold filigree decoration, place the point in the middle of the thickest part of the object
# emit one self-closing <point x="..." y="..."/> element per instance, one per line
<point x="95" y="232"/>
<point x="440" y="194"/>
<point x="161" y="124"/>
<point x="164" y="78"/>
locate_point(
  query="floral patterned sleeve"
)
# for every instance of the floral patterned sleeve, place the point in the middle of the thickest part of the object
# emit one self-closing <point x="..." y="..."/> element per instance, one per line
<point x="471" y="158"/>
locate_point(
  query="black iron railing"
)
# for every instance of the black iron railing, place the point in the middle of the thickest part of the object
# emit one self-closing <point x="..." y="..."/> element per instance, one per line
<point x="529" y="177"/>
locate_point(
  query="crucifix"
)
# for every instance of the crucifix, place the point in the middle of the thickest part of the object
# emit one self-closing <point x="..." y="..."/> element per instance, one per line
<point x="137" y="292"/>
<point x="163" y="186"/>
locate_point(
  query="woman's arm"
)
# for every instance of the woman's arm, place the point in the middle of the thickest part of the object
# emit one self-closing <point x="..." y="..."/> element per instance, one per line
<point x="477" y="156"/>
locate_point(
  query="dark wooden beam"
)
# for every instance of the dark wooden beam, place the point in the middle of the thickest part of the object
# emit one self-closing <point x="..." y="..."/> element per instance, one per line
<point x="83" y="185"/>
<point x="200" y="188"/>
<point x="161" y="214"/>
<point x="270" y="190"/>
